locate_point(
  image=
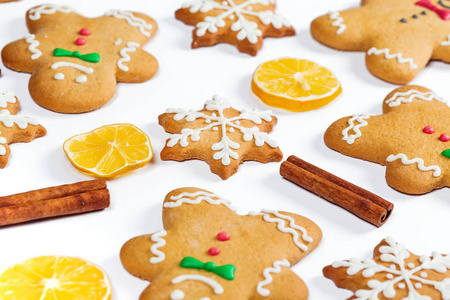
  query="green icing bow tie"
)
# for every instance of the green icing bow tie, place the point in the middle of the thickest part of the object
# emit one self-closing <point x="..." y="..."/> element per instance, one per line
<point x="225" y="271"/>
<point x="446" y="153"/>
<point x="91" y="57"/>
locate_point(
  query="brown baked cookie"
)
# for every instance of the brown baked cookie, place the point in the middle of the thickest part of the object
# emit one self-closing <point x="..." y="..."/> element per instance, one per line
<point x="75" y="61"/>
<point x="243" y="23"/>
<point x="411" y="138"/>
<point x="394" y="273"/>
<point x="207" y="251"/>
<point x="13" y="128"/>
<point x="220" y="135"/>
<point x="3" y="1"/>
<point x="399" y="37"/>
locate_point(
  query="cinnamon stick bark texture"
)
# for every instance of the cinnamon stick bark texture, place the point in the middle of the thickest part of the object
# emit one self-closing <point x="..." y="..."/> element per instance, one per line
<point x="353" y="198"/>
<point x="51" y="202"/>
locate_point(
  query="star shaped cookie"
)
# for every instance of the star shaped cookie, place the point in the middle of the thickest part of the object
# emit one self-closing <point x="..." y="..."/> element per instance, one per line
<point x="13" y="128"/>
<point x="393" y="273"/>
<point x="220" y="135"/>
<point x="411" y="138"/>
<point x="243" y="23"/>
<point x="207" y="251"/>
<point x="75" y="62"/>
<point x="399" y="37"/>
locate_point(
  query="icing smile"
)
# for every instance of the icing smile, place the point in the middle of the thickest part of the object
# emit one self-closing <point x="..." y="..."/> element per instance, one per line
<point x="441" y="2"/>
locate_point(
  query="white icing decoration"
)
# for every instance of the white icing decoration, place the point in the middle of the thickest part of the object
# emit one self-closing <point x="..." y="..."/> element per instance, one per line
<point x="420" y="163"/>
<point x="334" y="15"/>
<point x="362" y="123"/>
<point x="424" y="275"/>
<point x="246" y="29"/>
<point x="30" y="39"/>
<point x="399" y="57"/>
<point x="218" y="289"/>
<point x="5" y="98"/>
<point x="411" y="265"/>
<point x="132" y="20"/>
<point x="84" y="69"/>
<point x="177" y="295"/>
<point x="276" y="269"/>
<point x="118" y="42"/>
<point x="160" y="242"/>
<point x="81" y="79"/>
<point x="282" y="226"/>
<point x="2" y="148"/>
<point x="9" y="120"/>
<point x="447" y="42"/>
<point x="205" y="298"/>
<point x="397" y="253"/>
<point x="225" y="145"/>
<point x="131" y="47"/>
<point x="418" y="285"/>
<point x="59" y="76"/>
<point x="47" y="9"/>
<point x="389" y="276"/>
<point x="407" y="97"/>
<point x="199" y="197"/>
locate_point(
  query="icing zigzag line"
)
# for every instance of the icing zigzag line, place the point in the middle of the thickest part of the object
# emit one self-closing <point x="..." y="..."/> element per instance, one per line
<point x="420" y="163"/>
<point x="199" y="197"/>
<point x="398" y="98"/>
<point x="399" y="57"/>
<point x="160" y="242"/>
<point x="362" y="123"/>
<point x="334" y="15"/>
<point x="276" y="269"/>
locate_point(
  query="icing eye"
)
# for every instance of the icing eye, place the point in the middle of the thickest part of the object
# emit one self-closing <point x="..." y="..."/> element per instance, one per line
<point x="415" y="16"/>
<point x="223" y="236"/>
<point x="444" y="137"/>
<point x="403" y="20"/>
<point x="428" y="129"/>
<point x="85" y="32"/>
<point x="80" y="41"/>
<point x="214" y="251"/>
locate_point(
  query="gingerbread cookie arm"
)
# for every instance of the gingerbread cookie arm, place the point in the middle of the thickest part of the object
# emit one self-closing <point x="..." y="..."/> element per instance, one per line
<point x="442" y="52"/>
<point x="135" y="65"/>
<point x="42" y="16"/>
<point x="14" y="53"/>
<point x="341" y="30"/>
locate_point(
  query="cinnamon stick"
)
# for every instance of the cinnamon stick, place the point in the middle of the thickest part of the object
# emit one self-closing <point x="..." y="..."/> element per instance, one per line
<point x="353" y="198"/>
<point x="54" y="192"/>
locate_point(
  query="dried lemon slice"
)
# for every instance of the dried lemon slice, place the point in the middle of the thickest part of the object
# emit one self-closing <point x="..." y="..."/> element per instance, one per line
<point x="295" y="84"/>
<point x="110" y="150"/>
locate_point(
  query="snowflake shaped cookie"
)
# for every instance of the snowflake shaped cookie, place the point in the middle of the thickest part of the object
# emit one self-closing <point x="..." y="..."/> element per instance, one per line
<point x="207" y="251"/>
<point x="220" y="135"/>
<point x="394" y="273"/>
<point x="411" y="138"/>
<point x="399" y="37"/>
<point x="243" y="23"/>
<point x="75" y="62"/>
<point x="13" y="128"/>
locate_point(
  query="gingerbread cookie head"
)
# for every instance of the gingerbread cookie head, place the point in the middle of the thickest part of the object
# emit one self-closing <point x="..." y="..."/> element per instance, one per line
<point x="13" y="128"/>
<point x="243" y="23"/>
<point x="207" y="251"/>
<point x="399" y="37"/>
<point x="220" y="135"/>
<point x="411" y="138"/>
<point x="75" y="61"/>
<point x="393" y="273"/>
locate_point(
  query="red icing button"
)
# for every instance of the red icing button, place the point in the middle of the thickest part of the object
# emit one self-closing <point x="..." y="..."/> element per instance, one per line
<point x="444" y="137"/>
<point x="428" y="129"/>
<point x="214" y="251"/>
<point x="223" y="236"/>
<point x="85" y="32"/>
<point x="80" y="41"/>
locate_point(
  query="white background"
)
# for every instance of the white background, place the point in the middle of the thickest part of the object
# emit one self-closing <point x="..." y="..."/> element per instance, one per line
<point x="187" y="78"/>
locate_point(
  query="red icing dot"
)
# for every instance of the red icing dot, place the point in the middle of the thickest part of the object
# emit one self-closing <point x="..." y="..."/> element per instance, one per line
<point x="214" y="251"/>
<point x="80" y="41"/>
<point x="223" y="236"/>
<point x="428" y="129"/>
<point x="444" y="137"/>
<point x="85" y="32"/>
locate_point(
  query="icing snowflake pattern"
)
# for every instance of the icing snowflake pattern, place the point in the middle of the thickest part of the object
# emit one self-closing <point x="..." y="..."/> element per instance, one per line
<point x="399" y="273"/>
<point x="217" y="120"/>
<point x="245" y="28"/>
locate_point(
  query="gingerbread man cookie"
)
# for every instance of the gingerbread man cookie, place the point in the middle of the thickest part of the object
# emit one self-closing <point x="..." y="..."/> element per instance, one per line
<point x="243" y="23"/>
<point x="76" y="62"/>
<point x="394" y="273"/>
<point x="207" y="251"/>
<point x="220" y="135"/>
<point x="13" y="128"/>
<point x="411" y="138"/>
<point x="399" y="37"/>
